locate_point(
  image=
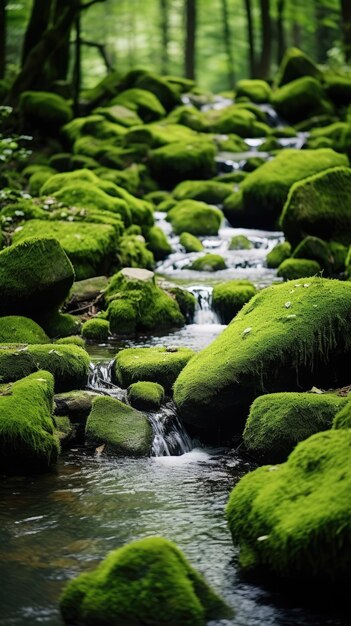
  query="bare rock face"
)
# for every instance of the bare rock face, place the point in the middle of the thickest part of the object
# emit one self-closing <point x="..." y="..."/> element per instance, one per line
<point x="137" y="273"/>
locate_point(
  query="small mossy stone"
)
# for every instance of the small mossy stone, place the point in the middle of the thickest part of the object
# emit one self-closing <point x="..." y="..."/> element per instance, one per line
<point x="122" y="429"/>
<point x="278" y="254"/>
<point x="210" y="191"/>
<point x="240" y="242"/>
<point x="208" y="263"/>
<point x="158" y="243"/>
<point x="45" y="111"/>
<point x="57" y="324"/>
<point x="147" y="581"/>
<point x="96" y="329"/>
<point x="37" y="180"/>
<point x="293" y="269"/>
<point x="256" y="90"/>
<point x="73" y="340"/>
<point x="158" y="365"/>
<point x="229" y="297"/>
<point x="132" y="251"/>
<point x="190" y="243"/>
<point x="315" y="249"/>
<point x="186" y="302"/>
<point x="17" y="329"/>
<point x="293" y="520"/>
<point x="194" y="217"/>
<point x="145" y="396"/>
<point x="277" y="422"/>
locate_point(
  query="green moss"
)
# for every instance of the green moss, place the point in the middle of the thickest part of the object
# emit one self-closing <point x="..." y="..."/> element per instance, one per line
<point x="240" y="242"/>
<point x="209" y="191"/>
<point x="80" y="161"/>
<point x="72" y="340"/>
<point x="147" y="581"/>
<point x="166" y="205"/>
<point x="278" y="254"/>
<point x="158" y="243"/>
<point x="90" y="247"/>
<point x="68" y="364"/>
<point x="256" y="90"/>
<point x="238" y="120"/>
<point x="132" y="252"/>
<point x="146" y="396"/>
<point x="156" y="197"/>
<point x="45" y="111"/>
<point x="292" y="269"/>
<point x="27" y="437"/>
<point x="194" y="217"/>
<point x="294" y="522"/>
<point x="35" y="275"/>
<point x="88" y="196"/>
<point x="158" y="365"/>
<point x="123" y="430"/>
<point x="58" y="324"/>
<point x="237" y="176"/>
<point x="119" y="115"/>
<point x="315" y="249"/>
<point x="161" y="88"/>
<point x="143" y="102"/>
<point x="208" y="263"/>
<point x="338" y="89"/>
<point x="300" y="99"/>
<point x="278" y="421"/>
<point x="129" y="178"/>
<point x="339" y="254"/>
<point x="181" y="160"/>
<point x="296" y="64"/>
<point x="37" y="180"/>
<point x="17" y="329"/>
<point x="96" y="329"/>
<point x="190" y="243"/>
<point x="230" y="143"/>
<point x="61" y="161"/>
<point x="228" y="298"/>
<point x="289" y="337"/>
<point x="263" y="192"/>
<point x="34" y="168"/>
<point x="157" y="135"/>
<point x="319" y="206"/>
<point x="23" y="209"/>
<point x="186" y="302"/>
<point x="343" y="417"/>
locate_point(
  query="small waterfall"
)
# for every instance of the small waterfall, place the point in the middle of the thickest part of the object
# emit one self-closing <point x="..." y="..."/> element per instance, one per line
<point x="203" y="309"/>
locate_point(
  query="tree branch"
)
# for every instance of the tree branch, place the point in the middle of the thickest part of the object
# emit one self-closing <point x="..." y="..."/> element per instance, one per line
<point x="87" y="5"/>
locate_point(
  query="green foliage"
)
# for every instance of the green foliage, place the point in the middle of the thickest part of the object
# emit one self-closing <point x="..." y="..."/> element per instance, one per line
<point x="278" y="254"/>
<point x="195" y="217"/>
<point x="158" y="365"/>
<point x="190" y="243"/>
<point x="208" y="263"/>
<point x="229" y="297"/>
<point x="292" y="269"/>
<point x="146" y="396"/>
<point x="17" y="329"/>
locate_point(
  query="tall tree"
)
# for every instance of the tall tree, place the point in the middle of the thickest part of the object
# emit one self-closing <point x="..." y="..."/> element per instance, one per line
<point x="60" y="59"/>
<point x="164" y="25"/>
<point x="266" y="38"/>
<point x="281" y="44"/>
<point x="227" y="35"/>
<point x="37" y="25"/>
<point x="190" y="38"/>
<point x="2" y="38"/>
<point x="250" y="37"/>
<point x="346" y="27"/>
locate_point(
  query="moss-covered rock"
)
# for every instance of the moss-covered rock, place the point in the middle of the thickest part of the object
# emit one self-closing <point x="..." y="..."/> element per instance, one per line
<point x="320" y="206"/>
<point x="237" y="120"/>
<point x="240" y="242"/>
<point x="133" y="252"/>
<point x="35" y="275"/>
<point x="263" y="192"/>
<point x="91" y="248"/>
<point x="294" y="269"/>
<point x="158" y="243"/>
<point x="157" y="135"/>
<point x="147" y="581"/>
<point x="27" y="435"/>
<point x="44" y="111"/>
<point x="186" y="302"/>
<point x="72" y="340"/>
<point x="88" y="196"/>
<point x="228" y="298"/>
<point x="289" y="337"/>
<point x="208" y="263"/>
<point x="17" y="329"/>
<point x="338" y="254"/>
<point x="210" y="191"/>
<point x="278" y="254"/>
<point x="256" y="90"/>
<point x="37" y="180"/>
<point x="164" y="91"/>
<point x="68" y="364"/>
<point x="180" y="161"/>
<point x="59" y="325"/>
<point x="338" y="89"/>
<point x="194" y="217"/>
<point x="294" y="522"/>
<point x="119" y="115"/>
<point x="296" y="64"/>
<point x="300" y="99"/>
<point x="190" y="243"/>
<point x="315" y="249"/>
<point x="146" y="396"/>
<point x="143" y="102"/>
<point x="279" y="421"/>
<point x="343" y="417"/>
<point x="158" y="365"/>
<point x="96" y="329"/>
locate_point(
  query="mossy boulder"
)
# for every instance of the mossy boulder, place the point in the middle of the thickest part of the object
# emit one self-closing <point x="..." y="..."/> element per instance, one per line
<point x="68" y="364"/>
<point x="158" y="365"/>
<point x="186" y="302"/>
<point x="315" y="249"/>
<point x="147" y="581"/>
<point x="44" y="111"/>
<point x="208" y="263"/>
<point x="210" y="191"/>
<point x="156" y="135"/>
<point x="123" y="430"/>
<point x="37" y="180"/>
<point x="146" y="396"/>
<point x="158" y="243"/>
<point x="278" y="254"/>
<point x="289" y="337"/>
<point x="91" y="248"/>
<point x="190" y="243"/>
<point x="194" y="217"/>
<point x="301" y="99"/>
<point x="88" y="196"/>
<point x="256" y="90"/>
<point x="229" y="297"/>
<point x="294" y="522"/>
<point x="277" y="422"/>
<point x="119" y="115"/>
<point x="17" y="329"/>
<point x="181" y="160"/>
<point x="35" y="275"/>
<point x="59" y="325"/>
<point x="338" y="89"/>
<point x="296" y="64"/>
<point x="27" y="435"/>
<point x="343" y="417"/>
<point x="133" y="252"/>
<point x="136" y="303"/>
<point x="143" y="102"/>
<point x="320" y="206"/>
<point x="237" y="120"/>
<point x="96" y="329"/>
<point x="264" y="192"/>
<point x="293" y="269"/>
<point x="240" y="242"/>
<point x="164" y="91"/>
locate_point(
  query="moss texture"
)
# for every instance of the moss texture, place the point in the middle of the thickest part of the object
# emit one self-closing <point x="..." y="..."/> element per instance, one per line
<point x="256" y="90"/>
<point x="319" y="206"/>
<point x="301" y="99"/>
<point x="289" y="337"/>
<point x="158" y="365"/>
<point x="194" y="217"/>
<point x="58" y="325"/>
<point x="45" y="111"/>
<point x="296" y="64"/>
<point x="210" y="191"/>
<point x="27" y="436"/>
<point x="343" y="417"/>
<point x="96" y="329"/>
<point x="208" y="263"/>
<point x="315" y="249"/>
<point x="17" y="329"/>
<point x="292" y="269"/>
<point x="294" y="522"/>
<point x="157" y="135"/>
<point x="88" y="196"/>
<point x="279" y="421"/>
<point x="228" y="298"/>
<point x="68" y="364"/>
<point x="237" y="120"/>
<point x="190" y="243"/>
<point x="158" y="243"/>
<point x="146" y="396"/>
<point x="145" y="582"/>
<point x="122" y="429"/>
<point x="240" y="242"/>
<point x="143" y="102"/>
<point x="179" y="161"/>
<point x="278" y="254"/>
<point x="132" y="252"/>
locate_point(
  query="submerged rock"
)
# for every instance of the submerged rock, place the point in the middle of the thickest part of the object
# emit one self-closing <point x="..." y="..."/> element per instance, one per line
<point x="208" y="263"/>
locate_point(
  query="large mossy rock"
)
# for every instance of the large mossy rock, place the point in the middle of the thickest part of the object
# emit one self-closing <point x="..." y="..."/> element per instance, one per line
<point x="263" y="192"/>
<point x="143" y="102"/>
<point x="145" y="582"/>
<point x="44" y="111"/>
<point x="123" y="430"/>
<point x="301" y="99"/>
<point x="194" y="217"/>
<point x="279" y="421"/>
<point x="27" y="436"/>
<point x="210" y="191"/>
<point x="258" y="91"/>
<point x="294" y="520"/>
<point x="91" y="248"/>
<point x="229" y="297"/>
<point x="182" y="160"/>
<point x="18" y="329"/>
<point x="320" y="206"/>
<point x="288" y="337"/>
<point x="69" y="364"/>
<point x="296" y="269"/>
<point x="158" y="365"/>
<point x="296" y="64"/>
<point x="35" y="275"/>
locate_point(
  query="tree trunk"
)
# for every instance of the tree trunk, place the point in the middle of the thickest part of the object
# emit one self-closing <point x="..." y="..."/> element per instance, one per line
<point x="250" y="37"/>
<point x="59" y="63"/>
<point x="164" y="25"/>
<point x="280" y="30"/>
<point x="2" y="38"/>
<point x="77" y="70"/>
<point x="266" y="36"/>
<point x="296" y="35"/>
<point x="37" y="25"/>
<point x="346" y="28"/>
<point x="190" y="37"/>
<point x="228" y="44"/>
